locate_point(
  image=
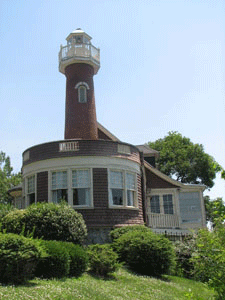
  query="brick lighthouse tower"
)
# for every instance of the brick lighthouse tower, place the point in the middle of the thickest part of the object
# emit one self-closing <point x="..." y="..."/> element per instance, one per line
<point x="79" y="60"/>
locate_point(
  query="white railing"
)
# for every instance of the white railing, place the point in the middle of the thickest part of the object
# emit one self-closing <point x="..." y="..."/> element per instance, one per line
<point x="163" y="220"/>
<point x="79" y="50"/>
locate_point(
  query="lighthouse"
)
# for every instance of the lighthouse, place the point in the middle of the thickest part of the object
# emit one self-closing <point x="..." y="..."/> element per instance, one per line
<point x="79" y="61"/>
<point x="111" y="183"/>
<point x="90" y="169"/>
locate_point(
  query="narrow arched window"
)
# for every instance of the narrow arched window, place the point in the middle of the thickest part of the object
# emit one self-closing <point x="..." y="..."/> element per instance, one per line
<point x="82" y="91"/>
<point x="82" y="94"/>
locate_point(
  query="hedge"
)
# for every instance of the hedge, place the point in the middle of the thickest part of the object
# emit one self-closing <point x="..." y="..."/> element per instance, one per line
<point x="48" y="221"/>
<point x="18" y="258"/>
<point x="145" y="252"/>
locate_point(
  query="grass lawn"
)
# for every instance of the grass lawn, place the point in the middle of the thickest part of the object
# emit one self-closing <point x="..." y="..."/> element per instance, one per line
<point x="122" y="286"/>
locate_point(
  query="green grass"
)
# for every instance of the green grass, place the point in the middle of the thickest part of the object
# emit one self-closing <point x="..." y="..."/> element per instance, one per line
<point x="122" y="286"/>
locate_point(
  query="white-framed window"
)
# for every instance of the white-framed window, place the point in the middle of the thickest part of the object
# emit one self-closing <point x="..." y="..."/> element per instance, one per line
<point x="162" y="203"/>
<point x="82" y="94"/>
<point x="81" y="187"/>
<point x="82" y="91"/>
<point x="31" y="190"/>
<point x="131" y="188"/>
<point x="155" y="204"/>
<point x="122" y="188"/>
<point x="59" y="186"/>
<point x="168" y="204"/>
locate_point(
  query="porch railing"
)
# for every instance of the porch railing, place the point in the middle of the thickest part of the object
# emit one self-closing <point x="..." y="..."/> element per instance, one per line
<point x="163" y="220"/>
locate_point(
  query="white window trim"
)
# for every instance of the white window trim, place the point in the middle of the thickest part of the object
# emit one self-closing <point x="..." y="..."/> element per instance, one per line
<point x="85" y="94"/>
<point x="160" y="193"/>
<point x="82" y="83"/>
<point x="124" y="205"/>
<point x="69" y="186"/>
<point x="78" y="86"/>
<point x="50" y="183"/>
<point x="26" y="188"/>
<point x="91" y="188"/>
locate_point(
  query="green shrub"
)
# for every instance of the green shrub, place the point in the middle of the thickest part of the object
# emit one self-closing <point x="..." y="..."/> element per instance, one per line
<point x="145" y="252"/>
<point x="116" y="233"/>
<point x="102" y="259"/>
<point x="78" y="259"/>
<point x="48" y="221"/>
<point x="184" y="252"/>
<point x="5" y="208"/>
<point x="209" y="259"/>
<point x="57" y="262"/>
<point x="14" y="221"/>
<point x="18" y="258"/>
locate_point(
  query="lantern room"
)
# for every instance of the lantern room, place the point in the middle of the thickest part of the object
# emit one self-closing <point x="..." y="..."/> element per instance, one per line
<point x="79" y="50"/>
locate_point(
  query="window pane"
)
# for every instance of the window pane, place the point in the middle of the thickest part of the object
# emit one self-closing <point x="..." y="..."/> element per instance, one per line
<point x="31" y="186"/>
<point x="58" y="195"/>
<point x="82" y="94"/>
<point x="130" y="181"/>
<point x="168" y="204"/>
<point x="81" y="197"/>
<point x="59" y="180"/>
<point x="130" y="198"/>
<point x="31" y="198"/>
<point x="116" y="180"/>
<point x="81" y="178"/>
<point x="117" y="196"/>
<point x="155" y="204"/>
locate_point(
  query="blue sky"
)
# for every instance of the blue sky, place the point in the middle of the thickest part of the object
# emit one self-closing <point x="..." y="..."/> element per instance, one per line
<point x="162" y="69"/>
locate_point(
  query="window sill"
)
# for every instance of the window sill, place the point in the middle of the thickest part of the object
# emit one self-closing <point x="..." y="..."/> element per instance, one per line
<point x="123" y="207"/>
<point x="82" y="207"/>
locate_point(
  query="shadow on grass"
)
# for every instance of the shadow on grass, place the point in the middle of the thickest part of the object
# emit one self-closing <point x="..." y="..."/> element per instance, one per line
<point x="22" y="284"/>
<point x="162" y="277"/>
<point x="101" y="277"/>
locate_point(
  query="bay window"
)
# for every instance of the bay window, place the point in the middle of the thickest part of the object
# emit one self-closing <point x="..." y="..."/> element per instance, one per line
<point x="31" y="190"/>
<point x="116" y="188"/>
<point x="123" y="191"/>
<point x="81" y="186"/>
<point x="59" y="186"/>
<point x="131" y="189"/>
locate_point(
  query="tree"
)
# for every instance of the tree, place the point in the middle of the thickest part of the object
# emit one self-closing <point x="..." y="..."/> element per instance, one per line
<point x="215" y="211"/>
<point x="185" y="161"/>
<point x="7" y="178"/>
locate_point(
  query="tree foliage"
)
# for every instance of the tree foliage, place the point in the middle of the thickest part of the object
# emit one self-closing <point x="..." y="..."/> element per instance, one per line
<point x="215" y="211"/>
<point x="185" y="161"/>
<point x="209" y="259"/>
<point x="8" y="179"/>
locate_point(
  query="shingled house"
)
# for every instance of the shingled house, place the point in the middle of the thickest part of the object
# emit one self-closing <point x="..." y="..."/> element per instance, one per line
<point x="111" y="183"/>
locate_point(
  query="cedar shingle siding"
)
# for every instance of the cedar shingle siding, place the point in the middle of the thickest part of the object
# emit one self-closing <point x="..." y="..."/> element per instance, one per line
<point x="42" y="187"/>
<point x="101" y="215"/>
<point x="155" y="182"/>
